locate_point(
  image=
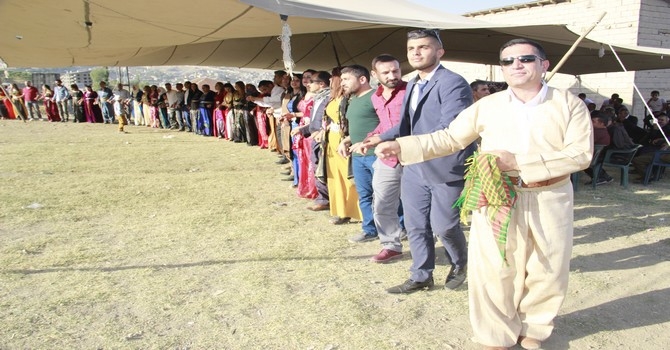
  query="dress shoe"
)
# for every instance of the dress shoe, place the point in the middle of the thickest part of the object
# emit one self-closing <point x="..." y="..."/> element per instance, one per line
<point x="411" y="286"/>
<point x="318" y="207"/>
<point x="285" y="173"/>
<point x="529" y="343"/>
<point x="386" y="255"/>
<point x="336" y="220"/>
<point x="456" y="277"/>
<point x="282" y="161"/>
<point x="290" y="178"/>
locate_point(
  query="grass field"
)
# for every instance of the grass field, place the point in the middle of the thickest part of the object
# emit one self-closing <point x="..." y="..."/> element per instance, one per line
<point x="158" y="239"/>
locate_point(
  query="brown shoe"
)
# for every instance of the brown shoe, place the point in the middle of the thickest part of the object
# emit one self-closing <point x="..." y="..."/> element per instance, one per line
<point x="318" y="207"/>
<point x="529" y="343"/>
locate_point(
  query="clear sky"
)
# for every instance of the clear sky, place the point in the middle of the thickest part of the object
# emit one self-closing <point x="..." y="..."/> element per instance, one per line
<point x="459" y="7"/>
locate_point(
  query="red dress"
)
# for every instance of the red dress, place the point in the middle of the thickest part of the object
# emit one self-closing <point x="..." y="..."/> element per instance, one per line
<point x="51" y="108"/>
<point x="261" y="124"/>
<point x="8" y="104"/>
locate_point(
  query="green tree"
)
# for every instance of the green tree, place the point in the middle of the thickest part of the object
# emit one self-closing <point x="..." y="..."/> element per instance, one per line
<point x="98" y="75"/>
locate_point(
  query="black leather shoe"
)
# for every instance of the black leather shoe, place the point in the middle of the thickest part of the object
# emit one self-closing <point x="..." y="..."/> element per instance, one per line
<point x="282" y="161"/>
<point x="456" y="277"/>
<point x="286" y="172"/>
<point x="411" y="286"/>
<point x="290" y="178"/>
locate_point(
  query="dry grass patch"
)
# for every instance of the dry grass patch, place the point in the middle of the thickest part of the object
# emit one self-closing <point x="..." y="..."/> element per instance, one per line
<point x="166" y="240"/>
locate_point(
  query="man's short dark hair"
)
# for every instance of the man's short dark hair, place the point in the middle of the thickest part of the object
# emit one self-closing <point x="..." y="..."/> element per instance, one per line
<point x="582" y="95"/>
<point x="263" y="83"/>
<point x="425" y="33"/>
<point x="653" y="92"/>
<point x="521" y="41"/>
<point x="357" y="70"/>
<point x="475" y="84"/>
<point x="383" y="58"/>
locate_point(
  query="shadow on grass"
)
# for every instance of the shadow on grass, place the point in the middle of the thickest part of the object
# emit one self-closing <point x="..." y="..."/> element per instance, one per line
<point x="611" y="316"/>
<point x="627" y="258"/>
<point x="177" y="266"/>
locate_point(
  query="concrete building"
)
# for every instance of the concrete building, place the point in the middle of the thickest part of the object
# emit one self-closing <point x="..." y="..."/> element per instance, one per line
<point x="39" y="79"/>
<point x="627" y="22"/>
<point x="80" y="78"/>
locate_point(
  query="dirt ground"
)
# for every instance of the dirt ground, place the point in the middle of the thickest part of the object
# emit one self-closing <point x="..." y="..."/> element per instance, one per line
<point x="158" y="239"/>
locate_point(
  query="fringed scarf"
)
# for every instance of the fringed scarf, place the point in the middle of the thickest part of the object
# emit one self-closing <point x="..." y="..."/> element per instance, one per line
<point x="485" y="185"/>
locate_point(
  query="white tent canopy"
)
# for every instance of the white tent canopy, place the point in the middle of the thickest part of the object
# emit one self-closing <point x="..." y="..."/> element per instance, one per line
<point x="243" y="33"/>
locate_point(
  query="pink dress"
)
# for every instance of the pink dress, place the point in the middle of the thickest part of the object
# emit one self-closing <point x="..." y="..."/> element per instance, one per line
<point x="303" y="146"/>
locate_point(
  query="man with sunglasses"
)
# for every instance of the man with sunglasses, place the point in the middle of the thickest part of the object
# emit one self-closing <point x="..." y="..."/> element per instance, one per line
<point x="539" y="135"/>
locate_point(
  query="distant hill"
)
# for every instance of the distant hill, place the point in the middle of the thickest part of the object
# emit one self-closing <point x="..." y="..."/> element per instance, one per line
<point x="160" y="75"/>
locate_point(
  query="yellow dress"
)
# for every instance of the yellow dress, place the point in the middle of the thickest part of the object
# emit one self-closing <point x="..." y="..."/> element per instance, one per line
<point x="341" y="191"/>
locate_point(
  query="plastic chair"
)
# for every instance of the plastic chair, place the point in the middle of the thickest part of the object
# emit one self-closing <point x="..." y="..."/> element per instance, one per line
<point x="624" y="158"/>
<point x="574" y="177"/>
<point x="656" y="164"/>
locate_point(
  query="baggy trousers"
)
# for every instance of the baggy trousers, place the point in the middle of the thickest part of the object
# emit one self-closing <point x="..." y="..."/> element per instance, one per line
<point x="521" y="297"/>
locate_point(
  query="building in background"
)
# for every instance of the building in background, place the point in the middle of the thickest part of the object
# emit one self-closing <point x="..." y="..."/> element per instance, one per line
<point x="40" y="79"/>
<point x="627" y="22"/>
<point x="80" y="78"/>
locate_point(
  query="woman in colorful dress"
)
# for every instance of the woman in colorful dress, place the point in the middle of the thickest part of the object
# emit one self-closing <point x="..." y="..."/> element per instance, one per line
<point x="91" y="108"/>
<point x="17" y="103"/>
<point x="290" y="118"/>
<point x="303" y="145"/>
<point x="342" y="193"/>
<point x="77" y="103"/>
<point x="219" y="109"/>
<point x="239" y="111"/>
<point x="49" y="104"/>
<point x="155" y="109"/>
<point x="146" y="106"/>
<point x="7" y="102"/>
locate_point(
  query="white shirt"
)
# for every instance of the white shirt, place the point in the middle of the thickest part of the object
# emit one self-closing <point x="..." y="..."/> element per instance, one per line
<point x="523" y="112"/>
<point x="414" y="99"/>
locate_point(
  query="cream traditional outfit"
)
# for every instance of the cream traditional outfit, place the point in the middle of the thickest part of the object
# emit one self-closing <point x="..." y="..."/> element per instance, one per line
<point x="550" y="137"/>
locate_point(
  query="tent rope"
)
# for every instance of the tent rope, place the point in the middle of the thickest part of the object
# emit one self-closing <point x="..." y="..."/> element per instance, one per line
<point x="646" y="106"/>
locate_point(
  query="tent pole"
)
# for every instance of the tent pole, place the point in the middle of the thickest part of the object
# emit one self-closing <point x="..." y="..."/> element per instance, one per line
<point x="572" y="48"/>
<point x="337" y="57"/>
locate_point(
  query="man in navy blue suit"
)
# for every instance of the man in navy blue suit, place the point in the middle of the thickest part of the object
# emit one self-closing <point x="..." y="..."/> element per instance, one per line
<point x="428" y="190"/>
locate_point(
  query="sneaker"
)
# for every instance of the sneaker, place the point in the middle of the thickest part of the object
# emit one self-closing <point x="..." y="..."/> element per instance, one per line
<point x="386" y="255"/>
<point x="363" y="237"/>
<point x="411" y="286"/>
<point x="604" y="181"/>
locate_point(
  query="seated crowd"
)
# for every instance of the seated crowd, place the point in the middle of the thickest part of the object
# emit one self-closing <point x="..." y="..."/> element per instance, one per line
<point x="615" y="128"/>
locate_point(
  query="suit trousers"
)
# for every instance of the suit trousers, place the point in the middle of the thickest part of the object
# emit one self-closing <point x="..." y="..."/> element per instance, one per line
<point x="428" y="211"/>
<point x="386" y="206"/>
<point x="521" y="297"/>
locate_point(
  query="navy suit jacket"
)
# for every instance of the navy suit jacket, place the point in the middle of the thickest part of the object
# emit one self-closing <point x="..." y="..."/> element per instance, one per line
<point x="444" y="97"/>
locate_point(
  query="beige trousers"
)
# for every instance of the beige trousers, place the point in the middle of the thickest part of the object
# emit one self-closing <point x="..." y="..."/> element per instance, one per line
<point x="521" y="297"/>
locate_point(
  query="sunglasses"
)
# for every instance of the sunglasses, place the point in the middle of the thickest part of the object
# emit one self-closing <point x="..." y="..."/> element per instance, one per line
<point x="523" y="59"/>
<point x="422" y="33"/>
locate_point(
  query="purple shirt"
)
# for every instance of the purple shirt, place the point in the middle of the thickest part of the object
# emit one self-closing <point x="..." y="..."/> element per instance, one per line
<point x="388" y="112"/>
